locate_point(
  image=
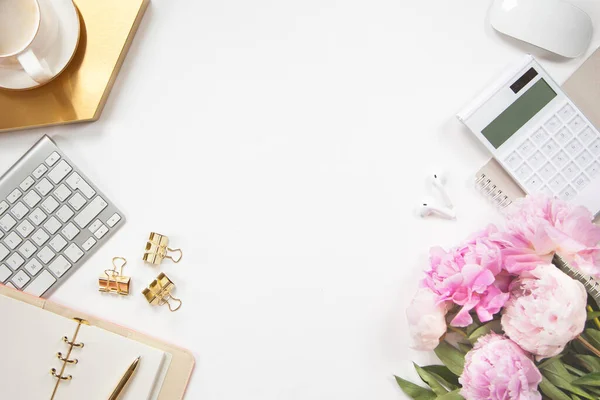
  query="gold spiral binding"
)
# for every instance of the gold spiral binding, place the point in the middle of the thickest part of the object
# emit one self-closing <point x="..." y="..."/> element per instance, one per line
<point x="59" y="355"/>
<point x="66" y="359"/>
<point x="67" y="341"/>
<point x="56" y="375"/>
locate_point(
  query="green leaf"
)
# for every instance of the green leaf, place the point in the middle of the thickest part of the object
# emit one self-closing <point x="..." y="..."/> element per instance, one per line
<point x="484" y="330"/>
<point x="593" y="314"/>
<point x="471" y="328"/>
<point x="592" y="379"/>
<point x="413" y="391"/>
<point x="454" y="395"/>
<point x="575" y="397"/>
<point x="464" y="348"/>
<point x="429" y="379"/>
<point x="591" y="363"/>
<point x="551" y="391"/>
<point x="593" y="336"/>
<point x="549" y="361"/>
<point x="450" y="380"/>
<point x="559" y="376"/>
<point x="451" y="357"/>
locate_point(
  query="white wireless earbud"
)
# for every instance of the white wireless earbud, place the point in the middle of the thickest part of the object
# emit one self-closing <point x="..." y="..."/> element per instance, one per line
<point x="438" y="181"/>
<point x="428" y="207"/>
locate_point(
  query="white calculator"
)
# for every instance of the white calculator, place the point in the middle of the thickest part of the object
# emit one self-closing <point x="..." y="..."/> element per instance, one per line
<point x="538" y="135"/>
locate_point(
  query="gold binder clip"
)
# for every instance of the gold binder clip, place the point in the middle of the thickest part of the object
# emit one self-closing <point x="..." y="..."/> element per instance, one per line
<point x="158" y="292"/>
<point x="157" y="249"/>
<point x="113" y="281"/>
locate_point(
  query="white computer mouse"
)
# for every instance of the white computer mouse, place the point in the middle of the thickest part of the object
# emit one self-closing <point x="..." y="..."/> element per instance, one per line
<point x="555" y="25"/>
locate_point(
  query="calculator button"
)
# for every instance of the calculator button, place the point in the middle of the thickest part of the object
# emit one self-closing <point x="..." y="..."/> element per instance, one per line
<point x="587" y="135"/>
<point x="536" y="160"/>
<point x="557" y="183"/>
<point x="524" y="172"/>
<point x="527" y="148"/>
<point x="547" y="171"/>
<point x="26" y="184"/>
<point x="584" y="159"/>
<point x="550" y="147"/>
<point x="560" y="159"/>
<point x="593" y="169"/>
<point x="563" y="135"/>
<point x="574" y="147"/>
<point x="52" y="159"/>
<point x="567" y="193"/>
<point x="594" y="148"/>
<point x="14" y="196"/>
<point x="40" y="171"/>
<point x="533" y="184"/>
<point x="566" y="113"/>
<point x="513" y="161"/>
<point x="570" y="171"/>
<point x="539" y="136"/>
<point x="547" y="191"/>
<point x="581" y="182"/>
<point x="577" y="124"/>
<point x="552" y="124"/>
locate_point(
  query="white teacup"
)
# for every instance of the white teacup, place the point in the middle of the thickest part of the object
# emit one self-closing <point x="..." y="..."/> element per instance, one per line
<point x="28" y="28"/>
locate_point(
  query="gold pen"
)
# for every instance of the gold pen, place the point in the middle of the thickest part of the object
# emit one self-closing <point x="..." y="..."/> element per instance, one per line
<point x="124" y="380"/>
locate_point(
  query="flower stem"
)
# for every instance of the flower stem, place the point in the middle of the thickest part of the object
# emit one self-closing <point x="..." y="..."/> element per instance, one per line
<point x="589" y="346"/>
<point x="459" y="331"/>
<point x="596" y="320"/>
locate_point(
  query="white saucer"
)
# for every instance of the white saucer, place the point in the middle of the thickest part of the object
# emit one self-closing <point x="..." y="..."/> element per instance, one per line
<point x="66" y="45"/>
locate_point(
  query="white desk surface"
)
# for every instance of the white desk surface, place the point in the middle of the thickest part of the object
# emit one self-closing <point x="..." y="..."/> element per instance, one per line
<point x="283" y="146"/>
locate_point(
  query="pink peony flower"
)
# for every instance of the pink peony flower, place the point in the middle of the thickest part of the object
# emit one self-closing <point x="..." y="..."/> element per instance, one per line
<point x="426" y="320"/>
<point x="545" y="226"/>
<point x="467" y="276"/>
<point x="498" y="369"/>
<point x="546" y="310"/>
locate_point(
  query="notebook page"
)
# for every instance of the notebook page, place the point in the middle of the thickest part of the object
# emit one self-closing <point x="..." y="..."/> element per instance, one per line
<point x="102" y="362"/>
<point x="30" y="339"/>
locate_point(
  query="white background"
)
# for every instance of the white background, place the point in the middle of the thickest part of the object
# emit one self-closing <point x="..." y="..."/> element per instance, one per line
<point x="283" y="145"/>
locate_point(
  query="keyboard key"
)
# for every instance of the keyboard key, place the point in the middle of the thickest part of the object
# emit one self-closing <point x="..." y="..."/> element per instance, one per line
<point x="64" y="213"/>
<point x="514" y="160"/>
<point x="75" y="181"/>
<point x="533" y="184"/>
<point x="25" y="228"/>
<point x="12" y="240"/>
<point x="526" y="148"/>
<point x="40" y="171"/>
<point x="557" y="183"/>
<point x="73" y="252"/>
<point x="581" y="182"/>
<point x="14" y="196"/>
<point x="112" y="221"/>
<point x="20" y="279"/>
<point x="40" y="284"/>
<point x="570" y="171"/>
<point x="52" y="225"/>
<point x="90" y="212"/>
<point x="563" y="135"/>
<point x="62" y="193"/>
<point x="536" y="160"/>
<point x="44" y="187"/>
<point x="560" y="159"/>
<point x="26" y="184"/>
<point x="14" y="261"/>
<point x="587" y="135"/>
<point x="577" y="124"/>
<point x="584" y="158"/>
<point x="77" y="201"/>
<point x="59" y="172"/>
<point x="550" y="147"/>
<point x="3" y="207"/>
<point x="58" y="243"/>
<point x="52" y="159"/>
<point x="3" y="252"/>
<point x="88" y="244"/>
<point x="101" y="231"/>
<point x="32" y="198"/>
<point x="547" y="171"/>
<point x="553" y="124"/>
<point x="70" y="231"/>
<point x="539" y="136"/>
<point x="19" y="210"/>
<point x="94" y="226"/>
<point x="567" y="193"/>
<point x="50" y="205"/>
<point x="45" y="255"/>
<point x="37" y="216"/>
<point x="5" y="273"/>
<point x="40" y="237"/>
<point x="566" y="113"/>
<point x="27" y="249"/>
<point x="593" y="169"/>
<point x="59" y="266"/>
<point x="524" y="172"/>
<point x="7" y="222"/>
<point x="574" y="147"/>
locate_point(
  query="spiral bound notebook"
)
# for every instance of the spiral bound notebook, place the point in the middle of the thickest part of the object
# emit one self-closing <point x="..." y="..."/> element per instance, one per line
<point x="52" y="352"/>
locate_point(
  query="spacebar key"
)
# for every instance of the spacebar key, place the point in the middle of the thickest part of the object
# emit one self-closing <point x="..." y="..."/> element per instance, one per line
<point x="90" y="212"/>
<point x="40" y="284"/>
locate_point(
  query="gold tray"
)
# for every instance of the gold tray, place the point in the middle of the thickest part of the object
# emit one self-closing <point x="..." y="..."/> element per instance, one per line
<point x="80" y="92"/>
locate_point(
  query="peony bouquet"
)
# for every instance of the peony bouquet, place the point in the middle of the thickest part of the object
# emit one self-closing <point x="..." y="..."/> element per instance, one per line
<point x="506" y="323"/>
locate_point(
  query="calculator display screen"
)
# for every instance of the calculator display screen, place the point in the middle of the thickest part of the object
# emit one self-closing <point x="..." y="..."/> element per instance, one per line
<point x="518" y="113"/>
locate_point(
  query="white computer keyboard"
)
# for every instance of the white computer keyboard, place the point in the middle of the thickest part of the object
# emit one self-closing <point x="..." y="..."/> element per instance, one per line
<point x="560" y="157"/>
<point x="51" y="219"/>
